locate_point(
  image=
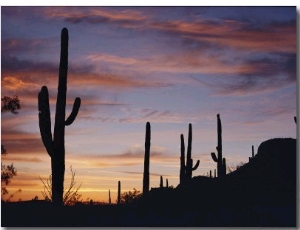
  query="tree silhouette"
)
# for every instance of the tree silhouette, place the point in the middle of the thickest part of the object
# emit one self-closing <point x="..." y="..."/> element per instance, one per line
<point x="130" y="196"/>
<point x="9" y="104"/>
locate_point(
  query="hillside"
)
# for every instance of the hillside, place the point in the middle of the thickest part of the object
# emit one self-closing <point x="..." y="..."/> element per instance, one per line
<point x="260" y="193"/>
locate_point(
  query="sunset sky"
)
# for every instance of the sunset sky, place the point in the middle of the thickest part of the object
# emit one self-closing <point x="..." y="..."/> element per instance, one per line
<point x="170" y="66"/>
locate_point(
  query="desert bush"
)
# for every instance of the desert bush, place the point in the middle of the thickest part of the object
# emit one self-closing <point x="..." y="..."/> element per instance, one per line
<point x="71" y="195"/>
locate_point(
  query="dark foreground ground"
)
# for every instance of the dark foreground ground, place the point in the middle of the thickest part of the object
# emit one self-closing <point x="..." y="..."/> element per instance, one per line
<point x="262" y="193"/>
<point x="39" y="214"/>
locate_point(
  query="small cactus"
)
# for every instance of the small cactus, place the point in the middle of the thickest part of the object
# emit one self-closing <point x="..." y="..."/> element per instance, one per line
<point x="250" y="158"/>
<point x="161" y="184"/>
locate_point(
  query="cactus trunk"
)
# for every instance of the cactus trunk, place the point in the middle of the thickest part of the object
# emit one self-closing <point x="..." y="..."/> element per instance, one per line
<point x="250" y="158"/>
<point x="56" y="146"/>
<point x="147" y="159"/>
<point x="221" y="162"/>
<point x="182" y="160"/>
<point x="187" y="168"/>
<point x="161" y="184"/>
<point x="189" y="161"/>
<point x="109" y="198"/>
<point x="119" y="192"/>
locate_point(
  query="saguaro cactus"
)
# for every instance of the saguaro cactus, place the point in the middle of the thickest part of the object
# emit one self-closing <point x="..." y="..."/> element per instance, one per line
<point x="56" y="146"/>
<point x="187" y="168"/>
<point x="161" y="184"/>
<point x="221" y="162"/>
<point x="182" y="160"/>
<point x="109" y="198"/>
<point x="250" y="158"/>
<point x="167" y="183"/>
<point x="147" y="159"/>
<point x="119" y="192"/>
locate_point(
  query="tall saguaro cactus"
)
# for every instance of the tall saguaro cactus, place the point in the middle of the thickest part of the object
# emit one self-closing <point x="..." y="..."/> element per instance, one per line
<point x="221" y="162"/>
<point x="186" y="168"/>
<point x="55" y="145"/>
<point x="147" y="159"/>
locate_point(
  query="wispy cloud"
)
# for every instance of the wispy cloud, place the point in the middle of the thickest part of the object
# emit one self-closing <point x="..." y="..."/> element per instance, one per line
<point x="124" y="17"/>
<point x="226" y="32"/>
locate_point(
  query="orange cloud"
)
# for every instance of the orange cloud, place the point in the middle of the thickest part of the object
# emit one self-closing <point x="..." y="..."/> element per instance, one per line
<point x="235" y="34"/>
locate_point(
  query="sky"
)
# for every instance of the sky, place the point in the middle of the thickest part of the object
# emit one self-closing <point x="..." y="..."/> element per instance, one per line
<point x="169" y="66"/>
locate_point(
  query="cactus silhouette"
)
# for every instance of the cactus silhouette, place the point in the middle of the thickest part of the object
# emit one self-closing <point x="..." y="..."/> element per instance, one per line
<point x="56" y="146"/>
<point x="147" y="159"/>
<point x="250" y="158"/>
<point x="221" y="162"/>
<point x="186" y="168"/>
<point x="109" y="198"/>
<point x="167" y="183"/>
<point x="182" y="160"/>
<point x="119" y="192"/>
<point x="161" y="184"/>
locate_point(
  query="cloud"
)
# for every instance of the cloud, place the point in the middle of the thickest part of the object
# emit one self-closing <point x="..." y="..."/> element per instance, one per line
<point x="131" y="157"/>
<point x="143" y="115"/>
<point x="124" y="17"/>
<point x="14" y="46"/>
<point x="235" y="34"/>
<point x="20" y="158"/>
<point x="19" y="142"/>
<point x="265" y="75"/>
<point x="30" y="72"/>
<point x="141" y="173"/>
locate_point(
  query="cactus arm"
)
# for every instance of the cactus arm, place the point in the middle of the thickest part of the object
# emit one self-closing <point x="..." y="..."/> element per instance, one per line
<point x="45" y="120"/>
<point x="196" y="165"/>
<point x="214" y="157"/>
<point x="74" y="112"/>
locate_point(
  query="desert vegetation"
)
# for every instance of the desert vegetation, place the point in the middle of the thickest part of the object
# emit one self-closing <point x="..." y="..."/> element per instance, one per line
<point x="261" y="192"/>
